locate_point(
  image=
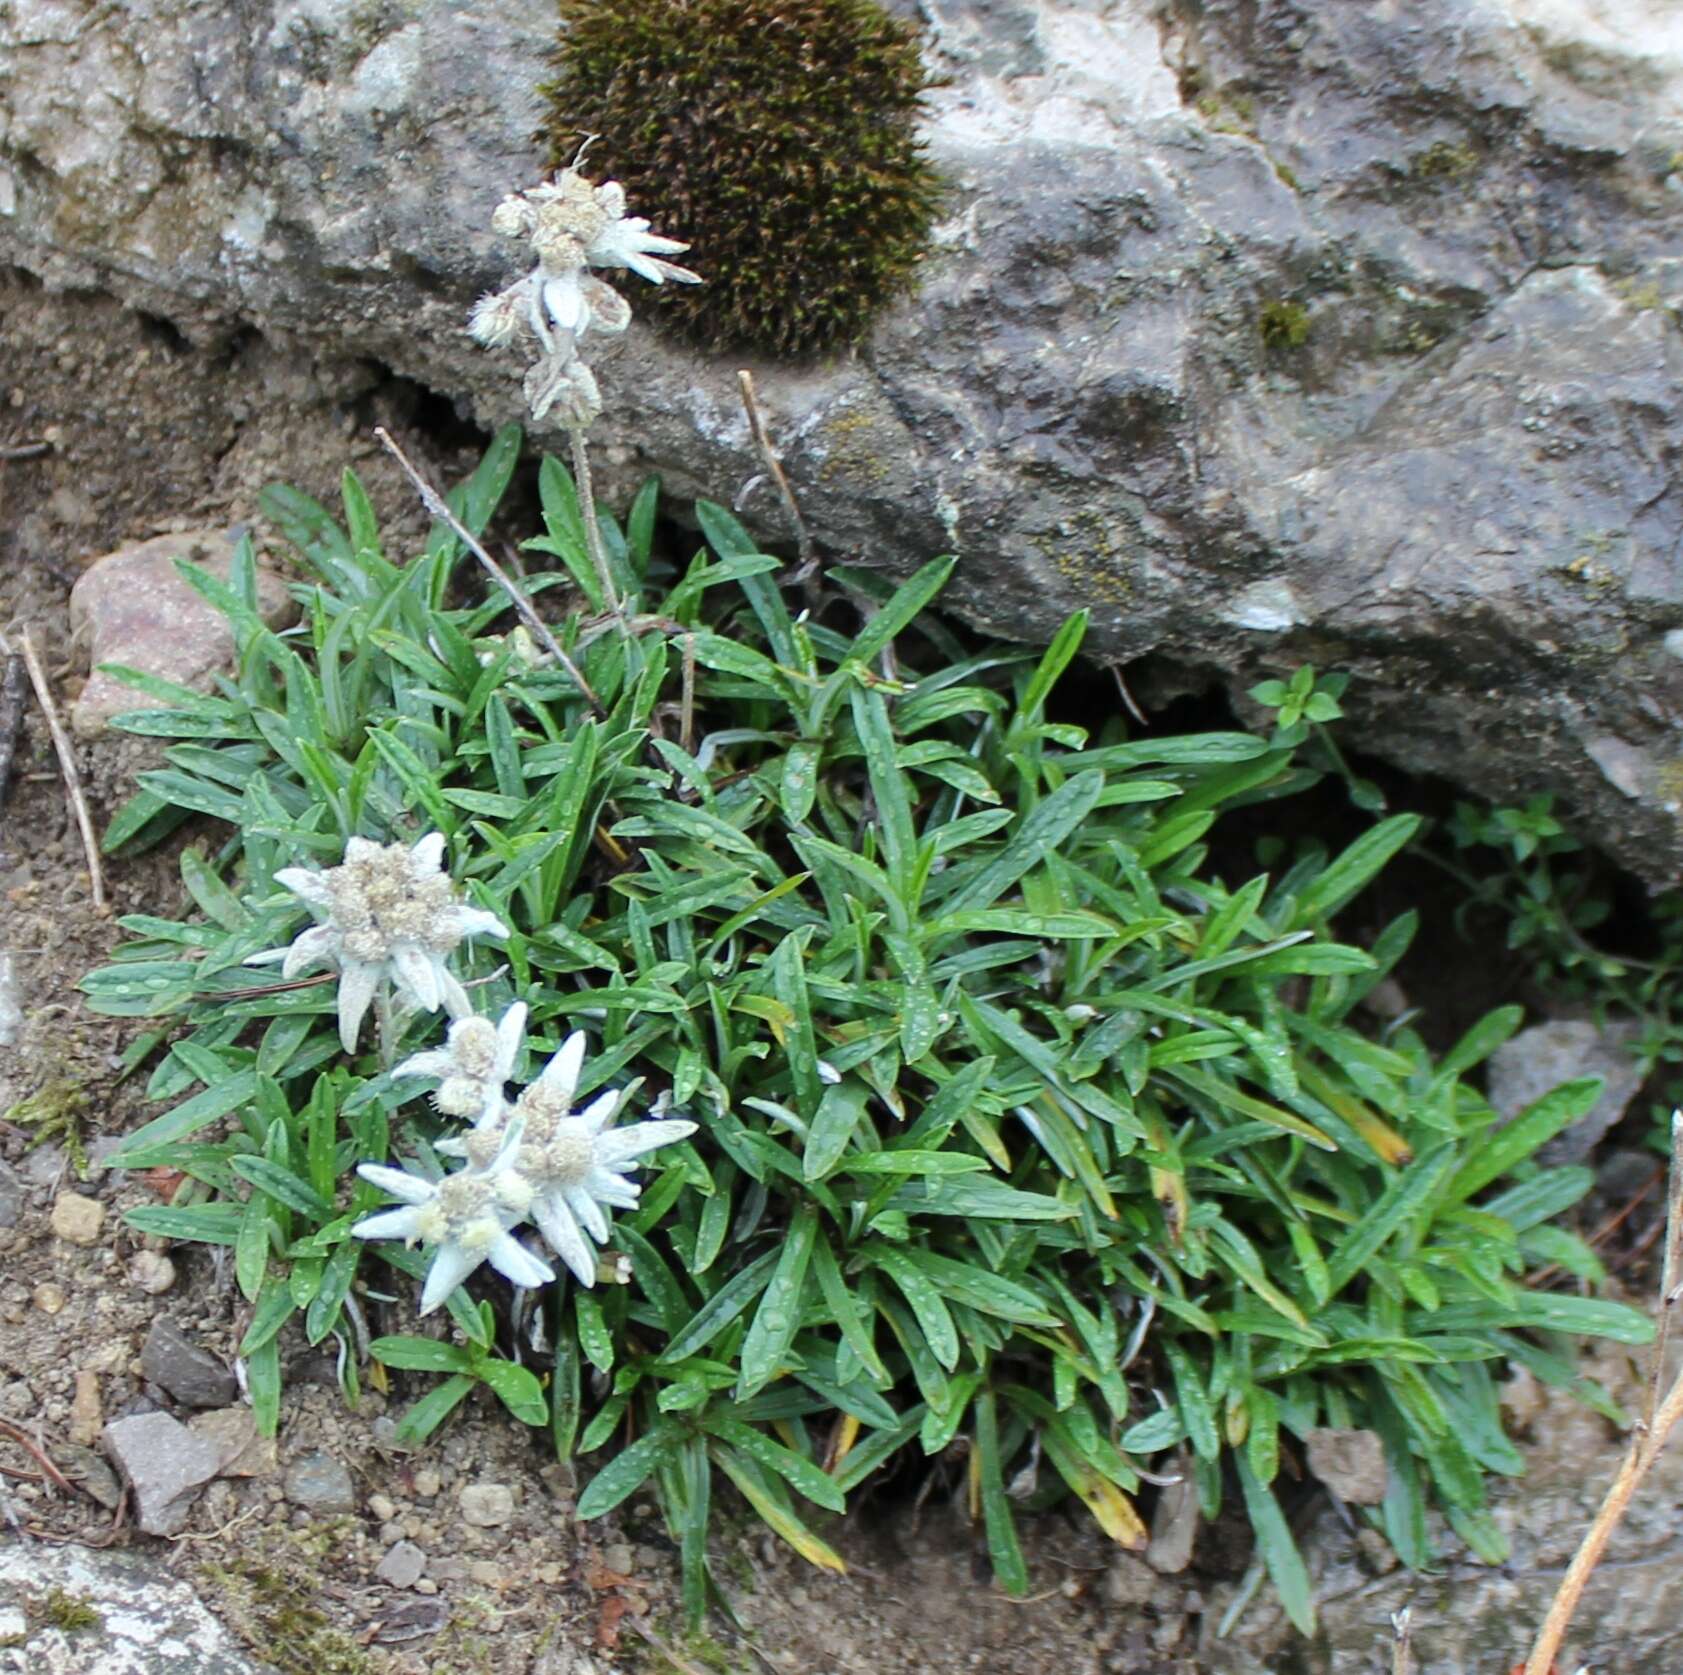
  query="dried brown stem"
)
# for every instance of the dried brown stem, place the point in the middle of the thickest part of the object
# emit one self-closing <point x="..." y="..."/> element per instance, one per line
<point x="756" y="426"/>
<point x="1402" y="1650"/>
<point x="39" y="1453"/>
<point x="25" y="450"/>
<point x="435" y="504"/>
<point x="1661" y="1414"/>
<point x="66" y="762"/>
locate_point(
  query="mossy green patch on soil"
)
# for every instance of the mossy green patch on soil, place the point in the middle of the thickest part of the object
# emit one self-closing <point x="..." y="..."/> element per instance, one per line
<point x="267" y="1593"/>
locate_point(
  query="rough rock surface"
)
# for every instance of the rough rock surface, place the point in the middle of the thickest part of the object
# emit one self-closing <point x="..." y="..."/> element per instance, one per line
<point x="136" y="610"/>
<point x="1457" y="484"/>
<point x="321" y="1483"/>
<point x="150" y="1621"/>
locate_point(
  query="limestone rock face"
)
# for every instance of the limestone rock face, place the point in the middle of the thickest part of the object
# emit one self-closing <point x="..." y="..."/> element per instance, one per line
<point x="1270" y="331"/>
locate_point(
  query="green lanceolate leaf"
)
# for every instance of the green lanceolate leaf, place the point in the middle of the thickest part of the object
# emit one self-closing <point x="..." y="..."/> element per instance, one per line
<point x="778" y="1317"/>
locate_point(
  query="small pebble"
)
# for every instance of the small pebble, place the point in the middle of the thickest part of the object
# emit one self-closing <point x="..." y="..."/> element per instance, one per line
<point x="618" y="1558"/>
<point x="320" y="1484"/>
<point x="486" y="1505"/>
<point x="49" y="1298"/>
<point x="382" y="1507"/>
<point x="427" y="1483"/>
<point x="486" y="1572"/>
<point x="426" y="1585"/>
<point x="87" y="1412"/>
<point x="152" y="1271"/>
<point x="77" y="1220"/>
<point x="14" y="1626"/>
<point x="403" y="1566"/>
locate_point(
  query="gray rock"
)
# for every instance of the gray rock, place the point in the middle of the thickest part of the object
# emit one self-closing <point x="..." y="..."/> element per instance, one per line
<point x="320" y="1483"/>
<point x="1527" y="1066"/>
<point x="151" y="1621"/>
<point x="90" y="1472"/>
<point x="1351" y="1463"/>
<point x="403" y="1566"/>
<point x="193" y="1376"/>
<point x="44" y="1165"/>
<point x="164" y="1465"/>
<point x="1456" y="485"/>
<point x="134" y="608"/>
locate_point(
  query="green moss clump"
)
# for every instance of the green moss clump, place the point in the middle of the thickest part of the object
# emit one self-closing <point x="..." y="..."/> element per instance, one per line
<point x="69" y="1612"/>
<point x="55" y="1111"/>
<point x="778" y="136"/>
<point x="1283" y="324"/>
<point x="1443" y="161"/>
<point x="267" y="1595"/>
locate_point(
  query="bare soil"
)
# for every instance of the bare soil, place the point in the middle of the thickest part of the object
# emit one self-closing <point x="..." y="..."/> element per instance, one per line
<point x="119" y="402"/>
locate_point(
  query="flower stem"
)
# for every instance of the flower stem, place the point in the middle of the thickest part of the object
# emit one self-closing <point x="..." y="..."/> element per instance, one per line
<point x="383" y="1024"/>
<point x="592" y="529"/>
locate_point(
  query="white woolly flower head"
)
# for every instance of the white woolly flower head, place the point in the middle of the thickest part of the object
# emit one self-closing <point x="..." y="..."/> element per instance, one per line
<point x="389" y="914"/>
<point x="473" y="1065"/>
<point x="466" y="1219"/>
<point x="576" y="1164"/>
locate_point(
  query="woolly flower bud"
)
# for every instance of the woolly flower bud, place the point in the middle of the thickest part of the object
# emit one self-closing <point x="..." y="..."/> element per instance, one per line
<point x="499" y="315"/>
<point x="513" y="217"/>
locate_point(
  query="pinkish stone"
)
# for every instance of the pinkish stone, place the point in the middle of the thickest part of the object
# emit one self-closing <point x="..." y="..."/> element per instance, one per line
<point x="135" y="609"/>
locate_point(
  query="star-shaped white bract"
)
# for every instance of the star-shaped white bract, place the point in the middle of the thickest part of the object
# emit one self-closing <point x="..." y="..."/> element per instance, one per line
<point x="391" y="914"/>
<point x="575" y="1164"/>
<point x="466" y="1219"/>
<point x="473" y="1065"/>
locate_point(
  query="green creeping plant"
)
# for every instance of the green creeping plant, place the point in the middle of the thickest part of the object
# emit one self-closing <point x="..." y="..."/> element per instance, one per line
<point x="1021" y="1122"/>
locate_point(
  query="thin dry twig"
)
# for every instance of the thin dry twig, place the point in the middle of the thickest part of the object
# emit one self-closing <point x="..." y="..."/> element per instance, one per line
<point x="756" y="425"/>
<point x="434" y="503"/>
<point x="1402" y="1653"/>
<point x="14" y="682"/>
<point x="38" y="1452"/>
<point x="1661" y="1413"/>
<point x="1127" y="697"/>
<point x="66" y="761"/>
<point x="25" y="450"/>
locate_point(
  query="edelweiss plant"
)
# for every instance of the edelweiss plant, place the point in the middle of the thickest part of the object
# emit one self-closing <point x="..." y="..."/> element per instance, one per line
<point x="1025" y="1118"/>
<point x="572" y="225"/>
<point x="392" y="918"/>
